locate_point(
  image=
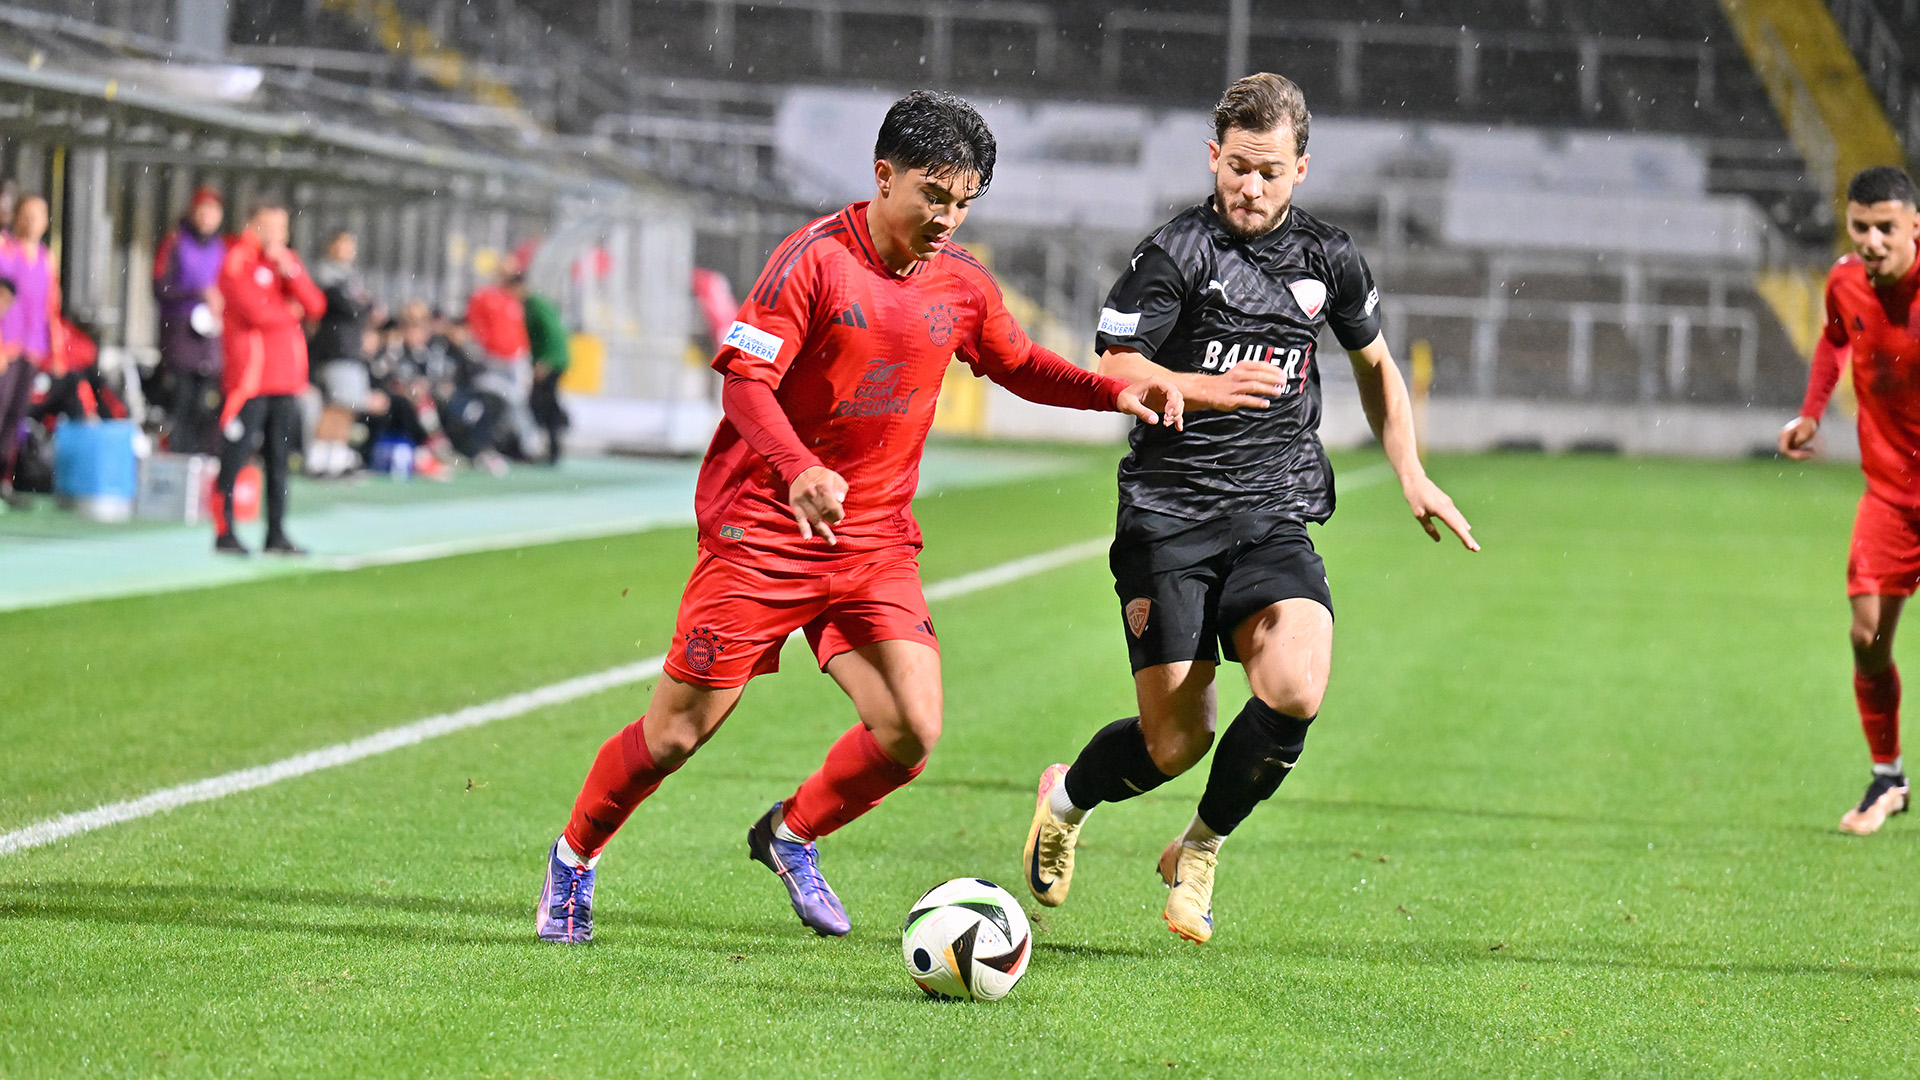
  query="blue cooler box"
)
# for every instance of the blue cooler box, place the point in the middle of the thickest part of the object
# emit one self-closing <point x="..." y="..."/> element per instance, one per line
<point x="95" y="470"/>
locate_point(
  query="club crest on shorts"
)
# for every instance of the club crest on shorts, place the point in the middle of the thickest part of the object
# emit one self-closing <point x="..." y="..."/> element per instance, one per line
<point x="1310" y="293"/>
<point x="702" y="649"/>
<point x="939" y="324"/>
<point x="1137" y="611"/>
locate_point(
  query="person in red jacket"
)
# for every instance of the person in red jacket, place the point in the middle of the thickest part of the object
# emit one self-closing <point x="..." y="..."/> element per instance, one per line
<point x="268" y="296"/>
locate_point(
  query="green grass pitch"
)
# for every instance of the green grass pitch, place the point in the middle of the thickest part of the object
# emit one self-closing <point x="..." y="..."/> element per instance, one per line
<point x="1569" y="810"/>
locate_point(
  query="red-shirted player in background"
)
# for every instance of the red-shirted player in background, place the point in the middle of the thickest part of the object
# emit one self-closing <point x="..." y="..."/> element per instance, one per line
<point x="1873" y="319"/>
<point x="832" y="371"/>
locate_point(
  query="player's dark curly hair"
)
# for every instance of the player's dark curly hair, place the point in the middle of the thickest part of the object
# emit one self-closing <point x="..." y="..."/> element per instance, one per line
<point x="938" y="132"/>
<point x="1262" y="103"/>
<point x="1882" y="183"/>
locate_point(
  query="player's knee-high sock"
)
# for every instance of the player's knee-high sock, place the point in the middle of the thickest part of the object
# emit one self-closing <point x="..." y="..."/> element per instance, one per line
<point x="1878" y="696"/>
<point x="1258" y="750"/>
<point x="855" y="777"/>
<point x="1114" y="765"/>
<point x="622" y="777"/>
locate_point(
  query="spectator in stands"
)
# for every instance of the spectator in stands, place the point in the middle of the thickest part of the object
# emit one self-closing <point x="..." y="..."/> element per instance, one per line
<point x="16" y="391"/>
<point x="268" y="296"/>
<point x="186" y="273"/>
<point x="340" y="354"/>
<point x="419" y="380"/>
<point x="471" y="415"/>
<point x="78" y="390"/>
<point x="497" y="317"/>
<point x="33" y="322"/>
<point x="547" y="340"/>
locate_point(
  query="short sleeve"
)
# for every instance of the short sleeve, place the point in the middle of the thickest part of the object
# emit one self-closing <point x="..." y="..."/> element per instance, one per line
<point x="1354" y="313"/>
<point x="773" y="322"/>
<point x="1144" y="304"/>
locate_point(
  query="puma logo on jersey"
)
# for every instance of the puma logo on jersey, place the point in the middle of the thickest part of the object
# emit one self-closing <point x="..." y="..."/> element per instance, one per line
<point x="853" y="316"/>
<point x="1310" y="294"/>
<point x="1214" y="285"/>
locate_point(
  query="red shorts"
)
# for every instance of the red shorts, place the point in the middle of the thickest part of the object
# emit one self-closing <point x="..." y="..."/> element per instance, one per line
<point x="733" y="618"/>
<point x="1885" y="557"/>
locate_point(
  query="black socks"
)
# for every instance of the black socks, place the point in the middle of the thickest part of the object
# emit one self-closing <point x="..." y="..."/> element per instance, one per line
<point x="1249" y="762"/>
<point x="1114" y="766"/>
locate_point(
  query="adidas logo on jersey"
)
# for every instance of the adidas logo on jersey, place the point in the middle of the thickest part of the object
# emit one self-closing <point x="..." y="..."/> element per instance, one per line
<point x="853" y="316"/>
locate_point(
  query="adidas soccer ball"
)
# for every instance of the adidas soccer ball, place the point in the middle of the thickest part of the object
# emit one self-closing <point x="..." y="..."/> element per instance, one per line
<point x="967" y="939"/>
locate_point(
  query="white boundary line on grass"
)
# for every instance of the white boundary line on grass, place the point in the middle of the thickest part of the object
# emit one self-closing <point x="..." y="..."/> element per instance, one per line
<point x="394" y="738"/>
<point x="46" y="832"/>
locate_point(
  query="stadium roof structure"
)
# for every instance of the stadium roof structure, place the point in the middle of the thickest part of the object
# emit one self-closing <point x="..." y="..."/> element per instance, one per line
<point x="151" y="100"/>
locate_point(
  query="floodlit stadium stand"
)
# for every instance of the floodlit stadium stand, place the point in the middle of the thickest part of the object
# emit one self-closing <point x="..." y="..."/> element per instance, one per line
<point x="1505" y="218"/>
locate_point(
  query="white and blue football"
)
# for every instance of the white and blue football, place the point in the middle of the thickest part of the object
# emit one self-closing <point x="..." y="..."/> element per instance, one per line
<point x="967" y="939"/>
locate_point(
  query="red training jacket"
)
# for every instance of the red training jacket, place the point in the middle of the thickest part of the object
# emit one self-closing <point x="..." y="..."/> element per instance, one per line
<point x="266" y="346"/>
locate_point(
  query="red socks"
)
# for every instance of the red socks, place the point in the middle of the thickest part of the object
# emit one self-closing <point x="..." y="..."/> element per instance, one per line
<point x="1878" y="696"/>
<point x="622" y="777"/>
<point x="856" y="776"/>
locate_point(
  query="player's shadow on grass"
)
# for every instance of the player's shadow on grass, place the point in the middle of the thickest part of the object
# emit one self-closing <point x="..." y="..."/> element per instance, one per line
<point x="1601" y="818"/>
<point x="1089" y="952"/>
<point x="1454" y="952"/>
<point x="268" y="910"/>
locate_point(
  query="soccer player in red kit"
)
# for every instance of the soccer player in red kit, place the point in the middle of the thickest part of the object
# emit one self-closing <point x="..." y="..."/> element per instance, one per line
<point x="832" y="371"/>
<point x="1873" y="318"/>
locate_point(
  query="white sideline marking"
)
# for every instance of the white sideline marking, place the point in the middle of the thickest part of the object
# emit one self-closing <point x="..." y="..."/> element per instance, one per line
<point x="215" y="787"/>
<point x="46" y="832"/>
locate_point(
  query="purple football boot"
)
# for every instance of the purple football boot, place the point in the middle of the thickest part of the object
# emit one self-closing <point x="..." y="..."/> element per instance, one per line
<point x="565" y="913"/>
<point x="799" y="868"/>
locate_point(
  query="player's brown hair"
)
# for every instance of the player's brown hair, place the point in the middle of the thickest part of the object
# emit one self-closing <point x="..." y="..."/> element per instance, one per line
<point x="1263" y="102"/>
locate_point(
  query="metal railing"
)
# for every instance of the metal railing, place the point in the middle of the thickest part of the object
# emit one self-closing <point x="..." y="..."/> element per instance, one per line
<point x="1466" y="45"/>
<point x="1671" y="369"/>
<point x="937" y="19"/>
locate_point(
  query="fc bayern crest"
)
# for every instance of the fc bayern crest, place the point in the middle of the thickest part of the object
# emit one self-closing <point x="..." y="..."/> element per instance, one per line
<point x="939" y="324"/>
<point x="1137" y="612"/>
<point x="702" y="649"/>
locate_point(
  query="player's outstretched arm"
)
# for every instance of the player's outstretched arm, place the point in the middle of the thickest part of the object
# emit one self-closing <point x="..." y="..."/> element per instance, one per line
<point x="1383" y="394"/>
<point x="1153" y="399"/>
<point x="1246" y="386"/>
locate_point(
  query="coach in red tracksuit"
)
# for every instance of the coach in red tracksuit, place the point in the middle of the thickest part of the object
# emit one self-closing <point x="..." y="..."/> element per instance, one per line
<point x="268" y="295"/>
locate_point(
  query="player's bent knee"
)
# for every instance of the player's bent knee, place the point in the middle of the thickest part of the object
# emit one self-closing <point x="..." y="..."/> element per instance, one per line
<point x="1299" y="699"/>
<point x="1176" y="749"/>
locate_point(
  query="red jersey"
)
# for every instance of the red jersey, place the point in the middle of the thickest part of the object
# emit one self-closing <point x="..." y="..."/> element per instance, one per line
<point x="498" y="320"/>
<point x="1880" y="330"/>
<point x="266" y="346"/>
<point x="855" y="354"/>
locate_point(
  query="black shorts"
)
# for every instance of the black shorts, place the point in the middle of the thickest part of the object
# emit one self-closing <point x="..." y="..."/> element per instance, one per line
<point x="1186" y="586"/>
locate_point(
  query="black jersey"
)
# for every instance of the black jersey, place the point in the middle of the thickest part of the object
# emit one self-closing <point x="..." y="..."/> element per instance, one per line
<point x="1197" y="299"/>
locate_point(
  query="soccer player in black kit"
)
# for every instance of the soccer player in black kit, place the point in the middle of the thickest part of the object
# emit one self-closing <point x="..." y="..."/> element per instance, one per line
<point x="1210" y="553"/>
